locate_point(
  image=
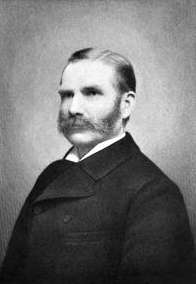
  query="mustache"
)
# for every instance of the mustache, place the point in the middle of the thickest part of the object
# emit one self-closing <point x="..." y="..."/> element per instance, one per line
<point x="74" y="121"/>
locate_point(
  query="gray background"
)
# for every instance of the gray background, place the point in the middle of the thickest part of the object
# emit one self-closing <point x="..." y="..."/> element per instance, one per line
<point x="36" y="37"/>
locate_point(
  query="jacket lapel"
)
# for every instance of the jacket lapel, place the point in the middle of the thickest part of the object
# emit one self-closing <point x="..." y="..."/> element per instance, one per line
<point x="72" y="183"/>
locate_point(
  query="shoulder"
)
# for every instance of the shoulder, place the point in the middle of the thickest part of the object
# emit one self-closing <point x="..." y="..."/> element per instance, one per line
<point x="141" y="178"/>
<point x="140" y="170"/>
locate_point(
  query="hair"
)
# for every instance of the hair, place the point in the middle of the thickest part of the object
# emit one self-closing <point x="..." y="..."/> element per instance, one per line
<point x="125" y="76"/>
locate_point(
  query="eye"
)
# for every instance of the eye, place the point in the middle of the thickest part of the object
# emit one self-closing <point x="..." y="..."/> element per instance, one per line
<point x="91" y="91"/>
<point x="65" y="94"/>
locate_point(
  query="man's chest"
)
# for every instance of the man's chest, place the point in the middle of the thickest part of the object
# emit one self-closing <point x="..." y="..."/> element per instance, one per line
<point x="73" y="231"/>
<point x="101" y="213"/>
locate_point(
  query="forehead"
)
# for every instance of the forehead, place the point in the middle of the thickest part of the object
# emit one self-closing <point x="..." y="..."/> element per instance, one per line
<point x="88" y="72"/>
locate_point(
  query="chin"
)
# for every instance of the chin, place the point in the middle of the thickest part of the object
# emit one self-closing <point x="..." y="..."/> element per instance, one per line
<point x="79" y="139"/>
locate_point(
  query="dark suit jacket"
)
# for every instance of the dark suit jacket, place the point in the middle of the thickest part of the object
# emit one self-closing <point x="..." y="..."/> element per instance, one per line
<point x="111" y="218"/>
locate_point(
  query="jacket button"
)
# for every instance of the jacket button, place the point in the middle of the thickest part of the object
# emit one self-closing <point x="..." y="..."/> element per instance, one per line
<point x="67" y="218"/>
<point x="37" y="210"/>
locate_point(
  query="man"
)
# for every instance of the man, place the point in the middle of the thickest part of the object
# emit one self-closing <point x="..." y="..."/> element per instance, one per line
<point x="104" y="213"/>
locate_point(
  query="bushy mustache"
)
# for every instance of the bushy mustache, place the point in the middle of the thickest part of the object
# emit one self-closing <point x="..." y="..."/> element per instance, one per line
<point x="66" y="123"/>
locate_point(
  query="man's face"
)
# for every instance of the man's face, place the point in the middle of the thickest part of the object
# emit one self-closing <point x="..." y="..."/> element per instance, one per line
<point x="90" y="103"/>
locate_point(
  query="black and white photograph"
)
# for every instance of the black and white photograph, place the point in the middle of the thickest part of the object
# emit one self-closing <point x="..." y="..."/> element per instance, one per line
<point x="97" y="142"/>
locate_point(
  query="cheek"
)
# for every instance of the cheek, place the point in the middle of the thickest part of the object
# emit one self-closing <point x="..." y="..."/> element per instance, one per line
<point x="100" y="108"/>
<point x="64" y="106"/>
<point x="103" y="112"/>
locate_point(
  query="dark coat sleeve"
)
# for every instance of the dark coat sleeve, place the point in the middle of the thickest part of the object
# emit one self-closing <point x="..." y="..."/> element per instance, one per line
<point x="13" y="264"/>
<point x="158" y="245"/>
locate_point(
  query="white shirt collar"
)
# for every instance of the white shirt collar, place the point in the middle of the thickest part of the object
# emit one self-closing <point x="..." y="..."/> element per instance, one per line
<point x="73" y="157"/>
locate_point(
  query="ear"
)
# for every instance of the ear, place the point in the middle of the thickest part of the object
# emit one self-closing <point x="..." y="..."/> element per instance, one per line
<point x="127" y="104"/>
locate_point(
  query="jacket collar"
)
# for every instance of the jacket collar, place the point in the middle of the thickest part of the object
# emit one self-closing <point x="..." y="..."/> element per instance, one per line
<point x="76" y="180"/>
<point x="101" y="163"/>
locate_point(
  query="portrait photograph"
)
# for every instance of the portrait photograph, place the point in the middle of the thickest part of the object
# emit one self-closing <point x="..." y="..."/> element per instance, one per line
<point x="97" y="142"/>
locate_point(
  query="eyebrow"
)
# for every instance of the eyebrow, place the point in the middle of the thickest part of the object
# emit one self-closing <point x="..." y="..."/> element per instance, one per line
<point x="64" y="92"/>
<point x="95" y="88"/>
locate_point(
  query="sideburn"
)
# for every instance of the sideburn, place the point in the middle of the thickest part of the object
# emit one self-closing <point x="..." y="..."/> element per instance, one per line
<point x="109" y="122"/>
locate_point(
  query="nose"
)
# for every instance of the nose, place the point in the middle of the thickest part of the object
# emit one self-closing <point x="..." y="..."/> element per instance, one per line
<point x="75" y="106"/>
